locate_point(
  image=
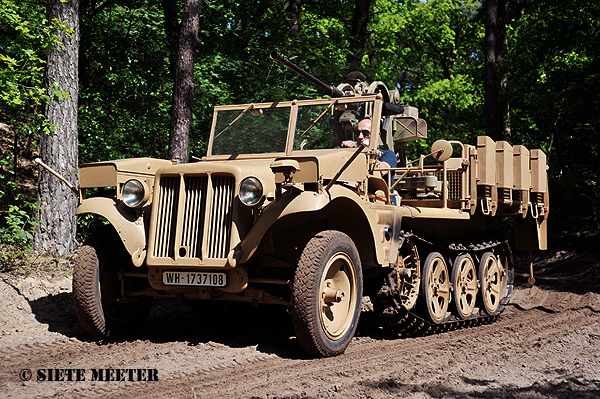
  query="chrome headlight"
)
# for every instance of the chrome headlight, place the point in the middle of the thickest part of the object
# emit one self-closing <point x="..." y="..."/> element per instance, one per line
<point x="251" y="191"/>
<point x="135" y="193"/>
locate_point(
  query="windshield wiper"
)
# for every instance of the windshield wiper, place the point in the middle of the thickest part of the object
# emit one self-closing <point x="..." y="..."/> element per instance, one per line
<point x="319" y="117"/>
<point x="248" y="108"/>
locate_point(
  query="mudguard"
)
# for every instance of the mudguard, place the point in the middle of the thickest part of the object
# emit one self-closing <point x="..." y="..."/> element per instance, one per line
<point x="295" y="203"/>
<point x="130" y="230"/>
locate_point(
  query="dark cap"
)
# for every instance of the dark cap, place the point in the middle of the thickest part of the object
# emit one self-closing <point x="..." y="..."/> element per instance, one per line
<point x="355" y="75"/>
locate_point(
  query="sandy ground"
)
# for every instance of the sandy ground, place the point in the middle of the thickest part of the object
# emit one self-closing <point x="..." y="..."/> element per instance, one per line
<point x="545" y="345"/>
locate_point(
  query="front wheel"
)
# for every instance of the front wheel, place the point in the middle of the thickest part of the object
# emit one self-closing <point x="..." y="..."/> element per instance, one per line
<point x="97" y="287"/>
<point x="326" y="294"/>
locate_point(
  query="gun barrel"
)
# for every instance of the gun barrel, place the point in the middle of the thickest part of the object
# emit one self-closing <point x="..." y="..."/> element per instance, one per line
<point x="329" y="89"/>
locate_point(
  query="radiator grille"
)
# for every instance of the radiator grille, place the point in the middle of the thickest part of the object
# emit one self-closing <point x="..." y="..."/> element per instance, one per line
<point x="220" y="223"/>
<point x="185" y="199"/>
<point x="166" y="209"/>
<point x="454" y="185"/>
<point x="193" y="215"/>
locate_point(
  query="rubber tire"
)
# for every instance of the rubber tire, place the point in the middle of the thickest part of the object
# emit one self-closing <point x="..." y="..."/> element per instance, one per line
<point x="102" y="316"/>
<point x="306" y="296"/>
<point x="429" y="312"/>
<point x="456" y="296"/>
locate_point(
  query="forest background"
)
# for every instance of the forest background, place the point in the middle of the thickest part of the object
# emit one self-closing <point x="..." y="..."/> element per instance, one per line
<point x="432" y="51"/>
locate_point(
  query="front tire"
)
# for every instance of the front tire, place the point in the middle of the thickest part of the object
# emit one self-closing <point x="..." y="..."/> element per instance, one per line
<point x="326" y="294"/>
<point x="97" y="287"/>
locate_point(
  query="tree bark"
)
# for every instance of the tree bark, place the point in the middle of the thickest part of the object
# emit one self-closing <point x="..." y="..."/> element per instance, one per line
<point x="57" y="221"/>
<point x="497" y="124"/>
<point x="183" y="90"/>
<point x="358" y="35"/>
<point x="294" y="10"/>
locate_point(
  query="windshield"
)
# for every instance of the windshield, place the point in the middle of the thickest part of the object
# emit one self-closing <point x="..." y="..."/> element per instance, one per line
<point x="263" y="128"/>
<point x="256" y="131"/>
<point x="312" y="127"/>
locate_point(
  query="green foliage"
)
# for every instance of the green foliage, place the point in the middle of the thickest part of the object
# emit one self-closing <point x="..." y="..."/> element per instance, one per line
<point x="431" y="51"/>
<point x="16" y="226"/>
<point x="125" y="86"/>
<point x="19" y="227"/>
<point x="26" y="39"/>
<point x="555" y="104"/>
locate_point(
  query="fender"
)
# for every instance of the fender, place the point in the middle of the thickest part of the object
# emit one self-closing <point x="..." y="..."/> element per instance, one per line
<point x="130" y="230"/>
<point x="290" y="204"/>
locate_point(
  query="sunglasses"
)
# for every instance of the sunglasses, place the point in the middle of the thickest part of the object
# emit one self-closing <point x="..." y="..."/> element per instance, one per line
<point x="365" y="133"/>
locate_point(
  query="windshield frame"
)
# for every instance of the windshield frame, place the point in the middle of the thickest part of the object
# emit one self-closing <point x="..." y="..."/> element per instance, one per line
<point x="293" y="105"/>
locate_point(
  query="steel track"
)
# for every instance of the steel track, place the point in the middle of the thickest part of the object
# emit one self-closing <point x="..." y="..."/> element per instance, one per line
<point x="410" y="322"/>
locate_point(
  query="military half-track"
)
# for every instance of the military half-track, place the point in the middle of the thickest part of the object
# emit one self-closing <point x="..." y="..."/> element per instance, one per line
<point x="278" y="213"/>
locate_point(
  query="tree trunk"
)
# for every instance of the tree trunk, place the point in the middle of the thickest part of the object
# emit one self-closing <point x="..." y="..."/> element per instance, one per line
<point x="183" y="90"/>
<point x="170" y="11"/>
<point x="502" y="51"/>
<point x="294" y="9"/>
<point x="496" y="43"/>
<point x="58" y="224"/>
<point x="358" y="35"/>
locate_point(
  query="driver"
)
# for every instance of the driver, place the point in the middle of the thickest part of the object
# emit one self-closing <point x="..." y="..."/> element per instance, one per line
<point x="387" y="159"/>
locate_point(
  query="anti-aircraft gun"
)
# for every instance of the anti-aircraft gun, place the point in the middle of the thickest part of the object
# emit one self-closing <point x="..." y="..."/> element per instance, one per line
<point x="400" y="123"/>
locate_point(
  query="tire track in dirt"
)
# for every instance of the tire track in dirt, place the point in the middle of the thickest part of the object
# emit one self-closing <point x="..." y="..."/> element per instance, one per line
<point x="546" y="343"/>
<point x="172" y="360"/>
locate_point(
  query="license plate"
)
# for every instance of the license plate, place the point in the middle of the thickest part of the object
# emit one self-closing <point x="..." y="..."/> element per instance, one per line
<point x="199" y="279"/>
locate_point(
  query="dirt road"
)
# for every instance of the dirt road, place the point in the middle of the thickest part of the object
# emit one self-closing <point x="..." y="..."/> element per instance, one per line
<point x="546" y="344"/>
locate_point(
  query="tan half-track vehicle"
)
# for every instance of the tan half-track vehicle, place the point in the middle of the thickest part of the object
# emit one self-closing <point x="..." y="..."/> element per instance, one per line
<point x="278" y="213"/>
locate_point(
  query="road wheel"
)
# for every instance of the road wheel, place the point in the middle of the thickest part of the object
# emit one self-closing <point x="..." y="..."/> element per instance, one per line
<point x="97" y="287"/>
<point x="326" y="294"/>
<point x="409" y="274"/>
<point x="464" y="279"/>
<point x="504" y="256"/>
<point x="436" y="287"/>
<point x="492" y="283"/>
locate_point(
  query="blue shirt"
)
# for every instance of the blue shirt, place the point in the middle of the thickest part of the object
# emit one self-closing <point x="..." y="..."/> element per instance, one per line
<point x="389" y="157"/>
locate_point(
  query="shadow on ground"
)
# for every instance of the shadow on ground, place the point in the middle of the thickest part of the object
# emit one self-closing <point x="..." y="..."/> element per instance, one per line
<point x="571" y="264"/>
<point x="58" y="312"/>
<point x="569" y="388"/>
<point x="268" y="328"/>
<point x="236" y="325"/>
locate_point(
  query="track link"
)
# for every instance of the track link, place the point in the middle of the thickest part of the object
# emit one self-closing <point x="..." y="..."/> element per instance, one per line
<point x="410" y="322"/>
